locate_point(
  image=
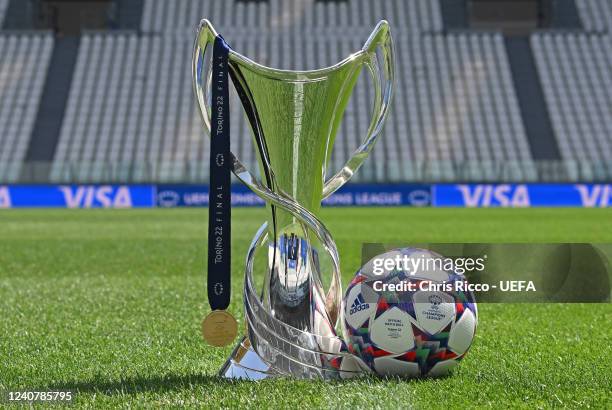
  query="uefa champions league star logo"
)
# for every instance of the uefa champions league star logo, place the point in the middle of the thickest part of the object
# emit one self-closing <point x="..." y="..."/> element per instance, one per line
<point x="220" y="160"/>
<point x="435" y="301"/>
<point x="168" y="199"/>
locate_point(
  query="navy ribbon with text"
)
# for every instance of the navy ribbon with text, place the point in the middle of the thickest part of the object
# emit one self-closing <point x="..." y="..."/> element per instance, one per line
<point x="219" y="211"/>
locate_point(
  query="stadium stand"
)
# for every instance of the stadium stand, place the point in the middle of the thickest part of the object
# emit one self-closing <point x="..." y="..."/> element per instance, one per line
<point x="154" y="132"/>
<point x="295" y="15"/>
<point x="575" y="72"/>
<point x="464" y="107"/>
<point x="25" y="58"/>
<point x="455" y="107"/>
<point x="455" y="104"/>
<point x="596" y="15"/>
<point x="130" y="107"/>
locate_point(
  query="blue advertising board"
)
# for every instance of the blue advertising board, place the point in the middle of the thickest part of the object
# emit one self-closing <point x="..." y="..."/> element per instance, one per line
<point x="440" y="195"/>
<point x="77" y="196"/>
<point x="381" y="195"/>
<point x="522" y="195"/>
<point x="349" y="195"/>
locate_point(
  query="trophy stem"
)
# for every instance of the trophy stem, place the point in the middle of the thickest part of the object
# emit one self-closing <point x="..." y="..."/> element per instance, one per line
<point x="275" y="349"/>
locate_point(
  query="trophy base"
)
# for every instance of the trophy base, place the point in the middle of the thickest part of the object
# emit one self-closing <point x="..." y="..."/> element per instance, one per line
<point x="245" y="364"/>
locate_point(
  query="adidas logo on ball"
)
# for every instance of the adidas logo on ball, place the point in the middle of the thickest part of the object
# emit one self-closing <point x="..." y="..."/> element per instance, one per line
<point x="358" y="305"/>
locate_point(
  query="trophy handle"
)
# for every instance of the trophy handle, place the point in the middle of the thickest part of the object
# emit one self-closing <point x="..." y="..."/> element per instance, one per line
<point x="384" y="78"/>
<point x="202" y="72"/>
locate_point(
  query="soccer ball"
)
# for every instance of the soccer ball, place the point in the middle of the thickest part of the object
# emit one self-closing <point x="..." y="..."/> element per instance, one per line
<point x="423" y="329"/>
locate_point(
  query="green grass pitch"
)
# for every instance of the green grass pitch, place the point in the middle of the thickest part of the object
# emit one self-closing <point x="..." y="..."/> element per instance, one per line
<point x="109" y="303"/>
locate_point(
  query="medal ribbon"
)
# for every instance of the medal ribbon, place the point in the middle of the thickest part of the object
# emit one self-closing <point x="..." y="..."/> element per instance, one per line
<point x="219" y="199"/>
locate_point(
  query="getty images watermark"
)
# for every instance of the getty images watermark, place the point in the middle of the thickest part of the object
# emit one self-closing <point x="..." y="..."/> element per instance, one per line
<point x="494" y="272"/>
<point x="425" y="264"/>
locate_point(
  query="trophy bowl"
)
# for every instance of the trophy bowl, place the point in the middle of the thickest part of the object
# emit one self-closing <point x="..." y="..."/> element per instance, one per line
<point x="294" y="116"/>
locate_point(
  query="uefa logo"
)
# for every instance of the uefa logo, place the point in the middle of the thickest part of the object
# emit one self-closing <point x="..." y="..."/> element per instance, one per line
<point x="168" y="199"/>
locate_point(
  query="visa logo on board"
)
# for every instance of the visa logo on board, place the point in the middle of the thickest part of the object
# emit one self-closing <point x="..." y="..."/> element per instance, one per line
<point x="102" y="196"/>
<point x="503" y="195"/>
<point x="5" y="197"/>
<point x="592" y="196"/>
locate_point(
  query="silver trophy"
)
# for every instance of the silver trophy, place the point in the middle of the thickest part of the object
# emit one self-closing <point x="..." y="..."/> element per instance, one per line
<point x="293" y="311"/>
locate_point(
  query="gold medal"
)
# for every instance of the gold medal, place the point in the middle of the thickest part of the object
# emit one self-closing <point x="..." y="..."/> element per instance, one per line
<point x="219" y="328"/>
